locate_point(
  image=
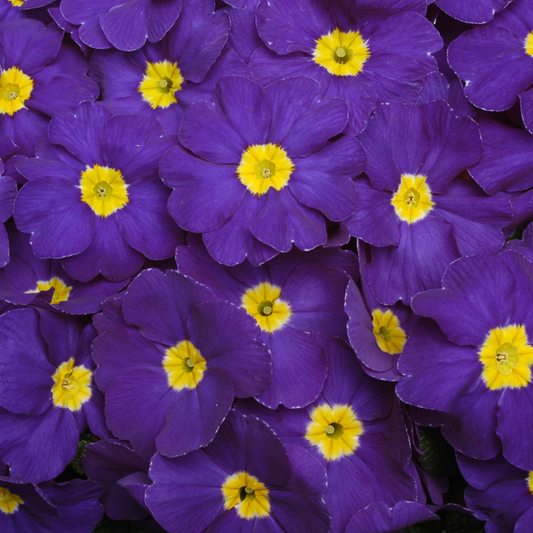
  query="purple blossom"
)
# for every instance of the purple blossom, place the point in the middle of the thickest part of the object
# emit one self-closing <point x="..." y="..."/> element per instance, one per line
<point x="355" y="428"/>
<point x="385" y="50"/>
<point x="59" y="507"/>
<point x="47" y="395"/>
<point x="97" y="201"/>
<point x="245" y="480"/>
<point x="40" y="78"/>
<point x="179" y="364"/>
<point x="473" y="363"/>
<point x="302" y="292"/>
<point x="266" y="154"/>
<point x="416" y="216"/>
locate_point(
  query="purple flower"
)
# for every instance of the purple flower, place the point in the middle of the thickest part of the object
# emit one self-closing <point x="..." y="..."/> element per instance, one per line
<point x="355" y="428"/>
<point x="245" y="480"/>
<point x="415" y="214"/>
<point x="181" y="69"/>
<point x="496" y="59"/>
<point x="62" y="508"/>
<point x="97" y="200"/>
<point x="474" y="363"/>
<point x="47" y="396"/>
<point x="365" y="52"/>
<point x="289" y="297"/>
<point x="124" y="25"/>
<point x="28" y="280"/>
<point x="500" y="493"/>
<point x="178" y="365"/>
<point x="40" y="78"/>
<point x="266" y="154"/>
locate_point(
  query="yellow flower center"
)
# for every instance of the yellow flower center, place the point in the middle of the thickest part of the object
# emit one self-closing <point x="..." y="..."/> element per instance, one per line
<point x="17" y="3"/>
<point x="184" y="365"/>
<point x="248" y="495"/>
<point x="160" y="83"/>
<point x="263" y="166"/>
<point x="15" y="89"/>
<point x="530" y="482"/>
<point x="72" y="386"/>
<point x="61" y="289"/>
<point x="264" y="304"/>
<point x="103" y="189"/>
<point x="342" y="54"/>
<point x="506" y="358"/>
<point x="412" y="201"/>
<point x="335" y="430"/>
<point x="389" y="335"/>
<point x="9" y="502"/>
<point x="529" y="44"/>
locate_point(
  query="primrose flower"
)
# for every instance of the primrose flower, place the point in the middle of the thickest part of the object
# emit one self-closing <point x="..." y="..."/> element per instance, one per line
<point x="162" y="79"/>
<point x="38" y="78"/>
<point x="377" y="333"/>
<point x="474" y="362"/>
<point x="70" y="507"/>
<point x="267" y="154"/>
<point x="499" y="493"/>
<point x="355" y="428"/>
<point x="245" y="480"/>
<point x="53" y="399"/>
<point x="496" y="61"/>
<point x="288" y="297"/>
<point x="360" y="51"/>
<point x="29" y="280"/>
<point x="96" y="200"/>
<point x="416" y="216"/>
<point x="179" y="364"/>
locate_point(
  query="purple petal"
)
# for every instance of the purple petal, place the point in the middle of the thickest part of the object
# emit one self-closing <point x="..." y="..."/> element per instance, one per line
<point x="58" y="229"/>
<point x="299" y="370"/>
<point x="160" y="304"/>
<point x="199" y="411"/>
<point x="137" y="403"/>
<point x="107" y="254"/>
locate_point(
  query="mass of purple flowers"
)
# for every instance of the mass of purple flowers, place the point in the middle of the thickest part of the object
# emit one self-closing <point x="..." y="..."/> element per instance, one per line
<point x="265" y="266"/>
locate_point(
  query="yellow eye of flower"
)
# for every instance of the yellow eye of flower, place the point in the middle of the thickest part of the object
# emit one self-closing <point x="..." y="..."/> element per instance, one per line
<point x="15" y="89"/>
<point x="264" y="304"/>
<point x="412" y="201"/>
<point x="9" y="502"/>
<point x="389" y="335"/>
<point x="335" y="430"/>
<point x="507" y="358"/>
<point x="61" y="289"/>
<point x="160" y="83"/>
<point x="72" y="386"/>
<point x="342" y="54"/>
<point x="248" y="495"/>
<point x="103" y="189"/>
<point x="263" y="166"/>
<point x="184" y="365"/>
<point x="529" y="44"/>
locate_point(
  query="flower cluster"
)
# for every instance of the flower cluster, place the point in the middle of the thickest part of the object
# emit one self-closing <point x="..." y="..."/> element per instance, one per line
<point x="264" y="263"/>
